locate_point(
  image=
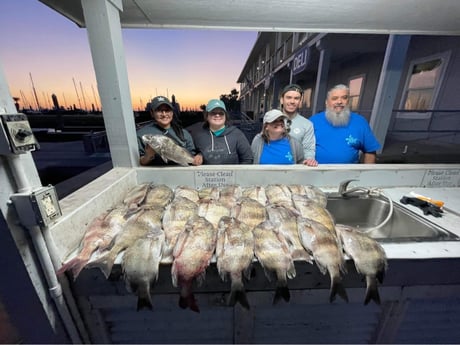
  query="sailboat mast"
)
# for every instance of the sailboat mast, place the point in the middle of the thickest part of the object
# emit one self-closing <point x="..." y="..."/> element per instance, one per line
<point x="78" y="97"/>
<point x="35" y="92"/>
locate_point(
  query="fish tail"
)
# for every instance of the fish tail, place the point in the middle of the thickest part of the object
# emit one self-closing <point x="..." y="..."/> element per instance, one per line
<point x="75" y="266"/>
<point x="144" y="300"/>
<point x="187" y="300"/>
<point x="238" y="294"/>
<point x="281" y="291"/>
<point x="337" y="288"/>
<point x="372" y="292"/>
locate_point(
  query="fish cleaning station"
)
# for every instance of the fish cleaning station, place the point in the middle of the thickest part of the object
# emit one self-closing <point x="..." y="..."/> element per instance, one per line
<point x="418" y="283"/>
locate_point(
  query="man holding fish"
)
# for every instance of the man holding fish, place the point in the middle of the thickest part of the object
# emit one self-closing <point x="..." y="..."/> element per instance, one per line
<point x="165" y="131"/>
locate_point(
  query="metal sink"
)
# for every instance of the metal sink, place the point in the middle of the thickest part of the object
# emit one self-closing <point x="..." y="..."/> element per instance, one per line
<point x="368" y="212"/>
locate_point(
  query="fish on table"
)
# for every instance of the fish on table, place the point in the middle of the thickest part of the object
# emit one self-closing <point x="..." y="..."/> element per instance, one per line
<point x="249" y="211"/>
<point x="285" y="219"/>
<point x="309" y="208"/>
<point x="136" y="195"/>
<point x="255" y="192"/>
<point x="136" y="227"/>
<point x="326" y="251"/>
<point x="175" y="216"/>
<point x="192" y="254"/>
<point x="229" y="194"/>
<point x="212" y="210"/>
<point x="168" y="149"/>
<point x="98" y="236"/>
<point x="278" y="194"/>
<point x="159" y="195"/>
<point x="369" y="258"/>
<point x="234" y="255"/>
<point x="309" y="191"/>
<point x="273" y="254"/>
<point x="186" y="192"/>
<point x="140" y="265"/>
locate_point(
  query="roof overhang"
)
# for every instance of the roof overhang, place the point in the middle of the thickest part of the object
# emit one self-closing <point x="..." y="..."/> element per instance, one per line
<point x="427" y="17"/>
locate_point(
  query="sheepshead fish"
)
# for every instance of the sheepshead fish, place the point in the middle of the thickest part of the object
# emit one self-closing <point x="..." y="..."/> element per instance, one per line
<point x="159" y="195"/>
<point x="249" y="211"/>
<point x="209" y="193"/>
<point x="309" y="191"/>
<point x="136" y="195"/>
<point x="98" y="236"/>
<point x="326" y="251"/>
<point x="229" y="194"/>
<point x="286" y="220"/>
<point x="274" y="256"/>
<point x="136" y="227"/>
<point x="186" y="192"/>
<point x="192" y="254"/>
<point x="255" y="192"/>
<point x="168" y="149"/>
<point x="175" y="216"/>
<point x="278" y="194"/>
<point x="316" y="194"/>
<point x="234" y="253"/>
<point x="140" y="265"/>
<point x="369" y="258"/>
<point x="309" y="208"/>
<point x="212" y="210"/>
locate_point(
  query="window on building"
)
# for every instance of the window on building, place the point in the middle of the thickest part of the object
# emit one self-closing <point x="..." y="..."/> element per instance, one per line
<point x="356" y="85"/>
<point x="422" y="83"/>
<point x="424" y="79"/>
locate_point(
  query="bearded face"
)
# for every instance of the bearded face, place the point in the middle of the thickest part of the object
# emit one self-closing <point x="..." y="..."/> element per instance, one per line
<point x="340" y="118"/>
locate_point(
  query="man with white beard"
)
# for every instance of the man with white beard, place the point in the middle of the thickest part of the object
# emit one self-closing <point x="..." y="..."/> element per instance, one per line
<point x="341" y="134"/>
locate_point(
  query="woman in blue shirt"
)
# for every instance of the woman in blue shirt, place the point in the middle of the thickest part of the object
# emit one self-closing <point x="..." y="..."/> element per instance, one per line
<point x="274" y="145"/>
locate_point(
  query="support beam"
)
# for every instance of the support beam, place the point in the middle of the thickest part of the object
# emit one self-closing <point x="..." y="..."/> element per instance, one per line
<point x="393" y="63"/>
<point x="102" y="19"/>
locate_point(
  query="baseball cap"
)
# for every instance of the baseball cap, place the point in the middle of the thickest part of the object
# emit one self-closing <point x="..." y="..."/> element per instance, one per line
<point x="215" y="103"/>
<point x="292" y="87"/>
<point x="159" y="100"/>
<point x="273" y="115"/>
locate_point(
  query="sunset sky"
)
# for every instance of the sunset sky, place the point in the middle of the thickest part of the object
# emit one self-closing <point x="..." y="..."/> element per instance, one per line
<point x="194" y="65"/>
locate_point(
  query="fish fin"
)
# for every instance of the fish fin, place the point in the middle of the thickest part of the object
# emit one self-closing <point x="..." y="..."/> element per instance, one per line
<point x="381" y="275"/>
<point x="372" y="292"/>
<point x="337" y="289"/>
<point x="104" y="263"/>
<point x="281" y="291"/>
<point x="291" y="272"/>
<point x="238" y="294"/>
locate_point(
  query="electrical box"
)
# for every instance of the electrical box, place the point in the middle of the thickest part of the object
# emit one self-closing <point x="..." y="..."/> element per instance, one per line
<point x="16" y="135"/>
<point x="41" y="207"/>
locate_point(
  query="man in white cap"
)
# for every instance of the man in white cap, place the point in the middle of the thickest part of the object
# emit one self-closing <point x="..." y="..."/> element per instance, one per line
<point x="301" y="127"/>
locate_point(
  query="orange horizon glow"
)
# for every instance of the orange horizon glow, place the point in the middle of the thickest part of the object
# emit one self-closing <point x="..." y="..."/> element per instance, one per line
<point x="193" y="65"/>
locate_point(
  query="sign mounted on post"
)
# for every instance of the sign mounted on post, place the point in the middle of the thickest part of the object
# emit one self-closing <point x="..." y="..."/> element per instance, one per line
<point x="300" y="61"/>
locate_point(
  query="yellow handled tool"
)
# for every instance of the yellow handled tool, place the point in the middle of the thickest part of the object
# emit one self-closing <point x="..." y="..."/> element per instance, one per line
<point x="438" y="203"/>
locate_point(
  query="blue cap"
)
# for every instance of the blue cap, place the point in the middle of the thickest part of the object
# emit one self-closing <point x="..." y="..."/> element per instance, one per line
<point x="215" y="103"/>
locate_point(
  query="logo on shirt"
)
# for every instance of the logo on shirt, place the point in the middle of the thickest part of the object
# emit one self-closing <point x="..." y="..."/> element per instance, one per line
<point x="352" y="141"/>
<point x="289" y="156"/>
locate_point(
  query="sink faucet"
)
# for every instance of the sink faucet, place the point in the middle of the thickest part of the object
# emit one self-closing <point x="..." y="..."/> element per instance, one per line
<point x="343" y="191"/>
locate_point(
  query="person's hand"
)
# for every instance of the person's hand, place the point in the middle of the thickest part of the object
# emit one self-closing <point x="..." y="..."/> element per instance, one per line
<point x="311" y="162"/>
<point x="149" y="152"/>
<point x="197" y="160"/>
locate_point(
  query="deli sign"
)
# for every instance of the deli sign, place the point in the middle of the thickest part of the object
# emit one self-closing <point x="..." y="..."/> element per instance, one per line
<point x="300" y="60"/>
